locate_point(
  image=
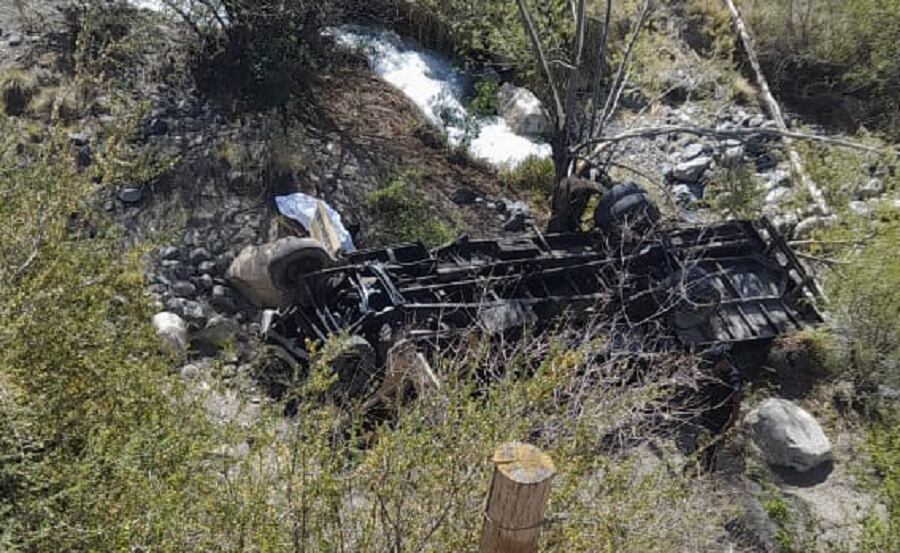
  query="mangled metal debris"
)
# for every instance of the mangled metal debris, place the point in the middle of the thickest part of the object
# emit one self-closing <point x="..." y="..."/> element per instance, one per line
<point x="692" y="287"/>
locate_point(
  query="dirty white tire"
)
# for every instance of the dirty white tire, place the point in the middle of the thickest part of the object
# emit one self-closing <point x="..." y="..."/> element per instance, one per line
<point x="291" y="262"/>
<point x="251" y="271"/>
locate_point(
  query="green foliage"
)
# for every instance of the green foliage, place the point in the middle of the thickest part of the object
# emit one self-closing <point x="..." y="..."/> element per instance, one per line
<point x="534" y="175"/>
<point x="777" y="510"/>
<point x="884" y="448"/>
<point x="734" y="193"/>
<point x="16" y="89"/>
<point x="864" y="301"/>
<point x="836" y="47"/>
<point x="109" y="41"/>
<point x="484" y="103"/>
<point x="402" y="214"/>
<point x="262" y="52"/>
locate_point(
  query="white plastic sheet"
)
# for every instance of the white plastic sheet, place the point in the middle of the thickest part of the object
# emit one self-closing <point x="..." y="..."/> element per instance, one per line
<point x="302" y="208"/>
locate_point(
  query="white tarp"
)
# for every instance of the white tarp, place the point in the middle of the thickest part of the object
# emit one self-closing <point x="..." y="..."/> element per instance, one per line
<point x="302" y="208"/>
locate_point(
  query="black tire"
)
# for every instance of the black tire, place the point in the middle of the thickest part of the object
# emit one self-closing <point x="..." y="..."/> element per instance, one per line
<point x="355" y="366"/>
<point x="611" y="197"/>
<point x="625" y="205"/>
<point x="698" y="298"/>
<point x="295" y="260"/>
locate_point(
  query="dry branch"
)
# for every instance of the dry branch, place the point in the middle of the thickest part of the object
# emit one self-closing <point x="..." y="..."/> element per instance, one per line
<point x="542" y="59"/>
<point x="775" y="111"/>
<point x="604" y="141"/>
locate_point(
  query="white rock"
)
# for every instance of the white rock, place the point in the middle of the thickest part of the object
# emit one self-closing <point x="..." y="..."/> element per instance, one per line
<point x="522" y="111"/>
<point x="172" y="330"/>
<point x="788" y="435"/>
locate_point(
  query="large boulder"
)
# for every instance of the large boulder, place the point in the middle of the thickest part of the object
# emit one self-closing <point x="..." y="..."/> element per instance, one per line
<point x="788" y="435"/>
<point x="250" y="270"/>
<point x="522" y="111"/>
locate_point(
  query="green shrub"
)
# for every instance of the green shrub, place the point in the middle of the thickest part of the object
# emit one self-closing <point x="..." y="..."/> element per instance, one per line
<point x="734" y="193"/>
<point x="484" y="103"/>
<point x="16" y="89"/>
<point x="262" y="52"/>
<point x="535" y="176"/>
<point x="401" y="214"/>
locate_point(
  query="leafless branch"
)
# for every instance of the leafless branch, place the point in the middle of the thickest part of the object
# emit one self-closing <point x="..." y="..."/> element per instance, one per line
<point x="542" y="59"/>
<point x="612" y="101"/>
<point x="598" y="76"/>
<point x="571" y="84"/>
<point x="732" y="133"/>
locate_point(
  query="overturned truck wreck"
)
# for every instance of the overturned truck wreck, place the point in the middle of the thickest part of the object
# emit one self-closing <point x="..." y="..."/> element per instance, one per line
<point x="690" y="287"/>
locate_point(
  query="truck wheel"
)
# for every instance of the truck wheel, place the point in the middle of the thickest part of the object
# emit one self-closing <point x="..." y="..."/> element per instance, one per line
<point x="625" y="205"/>
<point x="354" y="366"/>
<point x="292" y="264"/>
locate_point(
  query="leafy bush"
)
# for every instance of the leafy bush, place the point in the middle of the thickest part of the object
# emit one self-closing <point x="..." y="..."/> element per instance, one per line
<point x="258" y="52"/>
<point x="734" y="193"/>
<point x="402" y="215"/>
<point x="484" y="103"/>
<point x="534" y="175"/>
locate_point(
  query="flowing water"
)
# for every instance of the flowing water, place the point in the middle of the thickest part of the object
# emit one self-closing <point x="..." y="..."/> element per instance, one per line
<point x="431" y="82"/>
<point x="438" y="90"/>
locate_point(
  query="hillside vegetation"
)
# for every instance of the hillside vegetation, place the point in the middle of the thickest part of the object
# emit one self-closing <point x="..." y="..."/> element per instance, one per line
<point x="105" y="446"/>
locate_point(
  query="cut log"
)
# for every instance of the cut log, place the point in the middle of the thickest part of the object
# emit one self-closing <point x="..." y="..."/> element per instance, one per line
<point x="774" y="110"/>
<point x="514" y="515"/>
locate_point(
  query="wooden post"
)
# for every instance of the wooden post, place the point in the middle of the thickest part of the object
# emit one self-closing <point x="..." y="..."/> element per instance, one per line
<point x="774" y="110"/>
<point x="514" y="515"/>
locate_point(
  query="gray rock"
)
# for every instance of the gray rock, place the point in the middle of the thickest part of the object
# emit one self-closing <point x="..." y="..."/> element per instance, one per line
<point x="788" y="435"/>
<point x="733" y="155"/>
<point x="692" y="151"/>
<point x="872" y="189"/>
<point x="686" y="194"/>
<point x="776" y="179"/>
<point x="522" y="110"/>
<point x="785" y="222"/>
<point x="190" y="310"/>
<point x="14" y="39"/>
<point x="691" y="171"/>
<point x="130" y="195"/>
<point x="172" y="329"/>
<point x="184" y="289"/>
<point x="205" y="282"/>
<point x="200" y="255"/>
<point x="189" y="372"/>
<point x="79" y="138"/>
<point x="169" y="253"/>
<point x="860" y="208"/>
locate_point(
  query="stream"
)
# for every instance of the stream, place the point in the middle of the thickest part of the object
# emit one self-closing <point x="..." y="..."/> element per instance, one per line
<point x="434" y="85"/>
<point x="438" y="89"/>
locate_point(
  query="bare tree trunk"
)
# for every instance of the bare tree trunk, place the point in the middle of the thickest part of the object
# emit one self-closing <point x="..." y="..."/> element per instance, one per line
<point x="775" y="111"/>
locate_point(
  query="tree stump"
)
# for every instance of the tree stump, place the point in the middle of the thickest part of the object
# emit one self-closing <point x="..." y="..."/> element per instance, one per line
<point x="514" y="515"/>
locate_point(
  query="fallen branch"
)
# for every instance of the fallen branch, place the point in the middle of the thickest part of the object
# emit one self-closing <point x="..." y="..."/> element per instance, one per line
<point x="775" y="111"/>
<point x="604" y="141"/>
